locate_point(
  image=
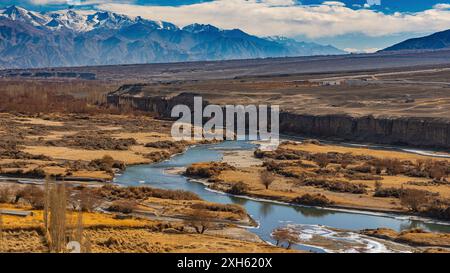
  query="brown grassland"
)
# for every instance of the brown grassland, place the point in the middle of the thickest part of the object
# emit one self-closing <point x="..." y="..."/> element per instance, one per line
<point x="356" y="178"/>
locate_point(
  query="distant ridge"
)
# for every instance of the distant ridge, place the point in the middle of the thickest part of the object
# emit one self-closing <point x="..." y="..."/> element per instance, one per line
<point x="438" y="40"/>
<point x="30" y="39"/>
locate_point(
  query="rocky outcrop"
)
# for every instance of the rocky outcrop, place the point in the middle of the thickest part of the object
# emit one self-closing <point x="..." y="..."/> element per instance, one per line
<point x="410" y="131"/>
<point x="160" y="105"/>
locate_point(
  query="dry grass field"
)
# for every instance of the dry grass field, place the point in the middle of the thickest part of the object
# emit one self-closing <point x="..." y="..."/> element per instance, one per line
<point x="74" y="145"/>
<point x="105" y="233"/>
<point x="342" y="175"/>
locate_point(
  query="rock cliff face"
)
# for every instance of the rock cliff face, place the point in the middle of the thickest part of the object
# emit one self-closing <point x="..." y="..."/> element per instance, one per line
<point x="421" y="132"/>
<point x="161" y="105"/>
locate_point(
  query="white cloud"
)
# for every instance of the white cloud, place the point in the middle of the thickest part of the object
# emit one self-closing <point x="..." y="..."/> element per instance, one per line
<point x="373" y="2"/>
<point x="364" y="50"/>
<point x="262" y="17"/>
<point x="333" y="3"/>
<point x="275" y="3"/>
<point x="76" y="2"/>
<point x="441" y="6"/>
<point x="48" y="2"/>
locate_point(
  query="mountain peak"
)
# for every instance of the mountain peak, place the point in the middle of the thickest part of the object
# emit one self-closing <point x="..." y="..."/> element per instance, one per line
<point x="14" y="11"/>
<point x="197" y="28"/>
<point x="79" y="37"/>
<point x="435" y="41"/>
<point x="17" y="13"/>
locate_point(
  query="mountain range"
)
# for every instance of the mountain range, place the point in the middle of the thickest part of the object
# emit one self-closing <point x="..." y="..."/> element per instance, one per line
<point x="438" y="40"/>
<point x="30" y="39"/>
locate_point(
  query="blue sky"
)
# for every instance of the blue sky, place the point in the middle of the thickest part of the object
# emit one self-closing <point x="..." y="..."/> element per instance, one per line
<point x="358" y="25"/>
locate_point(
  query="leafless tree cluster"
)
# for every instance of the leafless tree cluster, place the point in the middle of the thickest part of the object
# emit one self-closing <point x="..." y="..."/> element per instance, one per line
<point x="267" y="178"/>
<point x="58" y="226"/>
<point x="200" y="220"/>
<point x="284" y="235"/>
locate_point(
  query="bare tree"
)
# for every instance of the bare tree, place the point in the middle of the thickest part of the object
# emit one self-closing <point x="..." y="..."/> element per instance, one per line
<point x="5" y="195"/>
<point x="85" y="199"/>
<point x="1" y="231"/>
<point x="279" y="235"/>
<point x="438" y="172"/>
<point x="378" y="184"/>
<point x="33" y="195"/>
<point x="57" y="223"/>
<point x="200" y="220"/>
<point x="285" y="235"/>
<point x="46" y="202"/>
<point x="414" y="199"/>
<point x="322" y="160"/>
<point x="79" y="228"/>
<point x="393" y="166"/>
<point x="267" y="178"/>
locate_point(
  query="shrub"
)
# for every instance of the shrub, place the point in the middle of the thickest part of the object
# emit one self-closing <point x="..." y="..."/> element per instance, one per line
<point x="336" y="186"/>
<point x="34" y="195"/>
<point x="173" y="146"/>
<point x="85" y="199"/>
<point x="321" y="160"/>
<point x="364" y="168"/>
<point x="200" y="220"/>
<point x="5" y="195"/>
<point x="378" y="185"/>
<point x="94" y="141"/>
<point x="394" y="166"/>
<point x="122" y="206"/>
<point x="220" y="207"/>
<point x="106" y="164"/>
<point x="285" y="235"/>
<point x="437" y="211"/>
<point x="388" y="192"/>
<point x="239" y="188"/>
<point x="267" y="179"/>
<point x="112" y="192"/>
<point x="438" y="172"/>
<point x="207" y="170"/>
<point x="312" y="200"/>
<point x="362" y="176"/>
<point x="414" y="199"/>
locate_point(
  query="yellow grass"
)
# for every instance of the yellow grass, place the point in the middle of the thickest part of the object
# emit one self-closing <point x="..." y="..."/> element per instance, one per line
<point x="284" y="189"/>
<point x="144" y="137"/>
<point x="53" y="135"/>
<point x="413" y="237"/>
<point x="129" y="157"/>
<point x="311" y="148"/>
<point x="127" y="240"/>
<point x="92" y="174"/>
<point x="38" y="121"/>
<point x="90" y="220"/>
<point x="107" y="235"/>
<point x="173" y="208"/>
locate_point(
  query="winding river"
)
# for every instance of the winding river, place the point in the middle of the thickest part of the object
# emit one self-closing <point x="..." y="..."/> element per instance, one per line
<point x="269" y="215"/>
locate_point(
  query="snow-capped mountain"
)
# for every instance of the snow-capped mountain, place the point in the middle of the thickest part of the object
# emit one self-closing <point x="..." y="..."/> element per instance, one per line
<point x="78" y="21"/>
<point x="23" y="15"/>
<point x="305" y="48"/>
<point x="77" y="38"/>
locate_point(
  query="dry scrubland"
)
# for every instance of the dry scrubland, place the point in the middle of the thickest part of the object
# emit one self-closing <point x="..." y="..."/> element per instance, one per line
<point x="311" y="173"/>
<point x="314" y="174"/>
<point x="77" y="145"/>
<point x="409" y="92"/>
<point x="63" y="130"/>
<point x="136" y="220"/>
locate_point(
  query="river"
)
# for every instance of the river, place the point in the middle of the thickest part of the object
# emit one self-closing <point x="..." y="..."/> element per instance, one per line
<point x="269" y="215"/>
